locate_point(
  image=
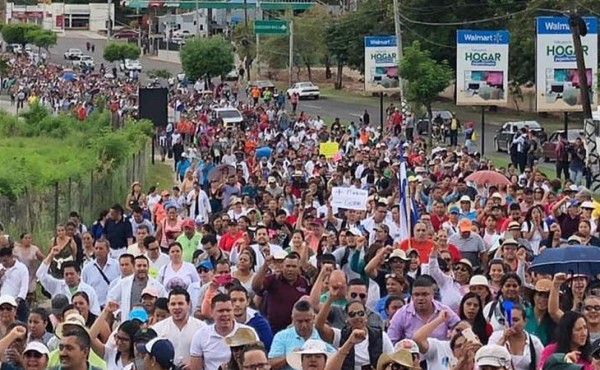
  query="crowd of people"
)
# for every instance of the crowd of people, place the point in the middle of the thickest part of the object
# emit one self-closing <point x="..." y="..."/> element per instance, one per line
<point x="248" y="262"/>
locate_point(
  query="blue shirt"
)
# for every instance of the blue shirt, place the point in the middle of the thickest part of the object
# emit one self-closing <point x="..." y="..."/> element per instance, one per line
<point x="288" y="340"/>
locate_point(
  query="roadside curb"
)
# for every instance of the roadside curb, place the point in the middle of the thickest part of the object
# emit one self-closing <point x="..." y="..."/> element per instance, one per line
<point x="163" y="60"/>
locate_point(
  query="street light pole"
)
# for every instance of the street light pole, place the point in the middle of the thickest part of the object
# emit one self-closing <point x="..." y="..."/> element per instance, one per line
<point x="109" y="22"/>
<point x="291" y="56"/>
<point x="398" y="32"/>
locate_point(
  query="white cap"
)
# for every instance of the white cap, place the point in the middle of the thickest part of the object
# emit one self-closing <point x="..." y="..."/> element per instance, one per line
<point x="280" y="255"/>
<point x="7" y="299"/>
<point x="465" y="198"/>
<point x="587" y="205"/>
<point x="493" y="355"/>
<point x="573" y="188"/>
<point x="478" y="280"/>
<point x="398" y="253"/>
<point x="355" y="231"/>
<point x="38" y="347"/>
<point x="407" y="344"/>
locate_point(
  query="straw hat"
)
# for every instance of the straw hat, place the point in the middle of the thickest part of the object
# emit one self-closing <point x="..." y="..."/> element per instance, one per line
<point x="73" y="319"/>
<point x="242" y="337"/>
<point x="402" y="357"/>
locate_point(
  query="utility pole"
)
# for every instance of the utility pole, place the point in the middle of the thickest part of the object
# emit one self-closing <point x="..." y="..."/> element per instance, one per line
<point x="109" y="21"/>
<point x="197" y="19"/>
<point x="291" y="56"/>
<point x="579" y="29"/>
<point x="257" y="16"/>
<point x="246" y="14"/>
<point x="398" y="44"/>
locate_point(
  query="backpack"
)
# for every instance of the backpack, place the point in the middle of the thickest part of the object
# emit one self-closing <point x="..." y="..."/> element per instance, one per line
<point x="514" y="147"/>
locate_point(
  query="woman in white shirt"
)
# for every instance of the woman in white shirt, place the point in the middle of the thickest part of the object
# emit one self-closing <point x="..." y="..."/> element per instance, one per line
<point x="525" y="349"/>
<point x="534" y="228"/>
<point x="177" y="272"/>
<point x="120" y="354"/>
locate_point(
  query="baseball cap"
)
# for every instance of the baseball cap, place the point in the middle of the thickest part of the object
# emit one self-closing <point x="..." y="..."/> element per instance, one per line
<point x="466" y="262"/>
<point x="164" y="193"/>
<point x="151" y="291"/>
<point x="557" y="362"/>
<point x="138" y="313"/>
<point x="161" y="349"/>
<point x="272" y="180"/>
<point x="493" y="355"/>
<point x="38" y="347"/>
<point x="465" y="225"/>
<point x="407" y="344"/>
<point x="454" y="209"/>
<point x="514" y="225"/>
<point x="144" y="335"/>
<point x="465" y="198"/>
<point x="587" y="205"/>
<point x="573" y="203"/>
<point x="355" y="231"/>
<point x="188" y="222"/>
<point x="7" y="299"/>
<point x="398" y="253"/>
<point x="207" y="264"/>
<point x="543" y="286"/>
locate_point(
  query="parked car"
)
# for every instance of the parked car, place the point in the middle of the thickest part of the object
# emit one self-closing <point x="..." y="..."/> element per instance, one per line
<point x="304" y="90"/>
<point x="126" y="33"/>
<point x="424" y="122"/>
<point x="233" y="75"/>
<point x="231" y="117"/>
<point x="183" y="34"/>
<point x="549" y="147"/>
<point x="131" y="65"/>
<point x="504" y="136"/>
<point x="71" y="54"/>
<point x="84" y="61"/>
<point x="15" y="48"/>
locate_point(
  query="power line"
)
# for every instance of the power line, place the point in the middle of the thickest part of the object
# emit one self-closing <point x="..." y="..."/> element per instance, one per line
<point x="426" y="39"/>
<point x="464" y="23"/>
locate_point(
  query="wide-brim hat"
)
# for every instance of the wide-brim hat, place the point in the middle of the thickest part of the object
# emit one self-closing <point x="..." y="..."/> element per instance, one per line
<point x="241" y="337"/>
<point x="402" y="357"/>
<point x="73" y="319"/>
<point x="310" y="347"/>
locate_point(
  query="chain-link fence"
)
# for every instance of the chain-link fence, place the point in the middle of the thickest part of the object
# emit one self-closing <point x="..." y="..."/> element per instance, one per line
<point x="40" y="210"/>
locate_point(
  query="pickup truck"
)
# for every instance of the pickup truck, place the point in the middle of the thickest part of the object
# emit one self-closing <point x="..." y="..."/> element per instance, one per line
<point x="84" y="62"/>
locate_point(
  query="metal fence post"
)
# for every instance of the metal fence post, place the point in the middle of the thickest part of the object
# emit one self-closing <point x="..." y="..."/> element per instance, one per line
<point x="69" y="203"/>
<point x="56" y="210"/>
<point x="92" y="193"/>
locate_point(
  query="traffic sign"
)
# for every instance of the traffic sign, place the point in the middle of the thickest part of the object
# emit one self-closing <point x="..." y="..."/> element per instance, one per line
<point x="271" y="27"/>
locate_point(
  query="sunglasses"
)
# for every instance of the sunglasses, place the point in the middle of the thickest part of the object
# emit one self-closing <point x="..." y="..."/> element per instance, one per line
<point x="356" y="313"/>
<point x="354" y="295"/>
<point x="589" y="307"/>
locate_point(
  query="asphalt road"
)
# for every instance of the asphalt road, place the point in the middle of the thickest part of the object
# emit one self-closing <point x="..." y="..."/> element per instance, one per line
<point x="327" y="106"/>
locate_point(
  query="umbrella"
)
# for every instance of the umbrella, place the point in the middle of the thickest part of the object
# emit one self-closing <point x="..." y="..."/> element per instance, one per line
<point x="219" y="171"/>
<point x="488" y="177"/>
<point x="69" y="76"/>
<point x="575" y="259"/>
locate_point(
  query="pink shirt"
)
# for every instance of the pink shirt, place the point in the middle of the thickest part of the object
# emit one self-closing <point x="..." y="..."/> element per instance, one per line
<point x="551" y="349"/>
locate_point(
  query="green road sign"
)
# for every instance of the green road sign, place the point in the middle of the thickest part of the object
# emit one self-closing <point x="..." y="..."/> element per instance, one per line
<point x="271" y="27"/>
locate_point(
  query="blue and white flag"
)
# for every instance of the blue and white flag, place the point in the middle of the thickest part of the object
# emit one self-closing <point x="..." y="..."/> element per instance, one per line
<point x="409" y="213"/>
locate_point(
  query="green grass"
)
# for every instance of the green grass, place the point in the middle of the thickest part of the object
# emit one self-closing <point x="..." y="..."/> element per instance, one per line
<point x="160" y="174"/>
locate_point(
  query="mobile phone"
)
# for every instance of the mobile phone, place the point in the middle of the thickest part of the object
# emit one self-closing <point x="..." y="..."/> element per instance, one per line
<point x="470" y="335"/>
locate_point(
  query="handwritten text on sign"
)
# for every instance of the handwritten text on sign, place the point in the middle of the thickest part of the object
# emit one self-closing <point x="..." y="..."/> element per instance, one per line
<point x="350" y="198"/>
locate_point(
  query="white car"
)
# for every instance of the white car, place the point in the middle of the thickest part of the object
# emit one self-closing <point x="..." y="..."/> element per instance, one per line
<point x="84" y="61"/>
<point x="72" y="54"/>
<point x="131" y="65"/>
<point x="231" y="117"/>
<point x="232" y="76"/>
<point x="304" y="90"/>
<point x="182" y="34"/>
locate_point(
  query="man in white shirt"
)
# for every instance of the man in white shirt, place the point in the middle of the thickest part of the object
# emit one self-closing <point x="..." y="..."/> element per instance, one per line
<point x="262" y="247"/>
<point x="14" y="278"/>
<point x="125" y="267"/>
<point x="209" y="350"/>
<point x="198" y="201"/>
<point x="156" y="258"/>
<point x="71" y="283"/>
<point x="100" y="272"/>
<point x="180" y="327"/>
<point x="138" y="248"/>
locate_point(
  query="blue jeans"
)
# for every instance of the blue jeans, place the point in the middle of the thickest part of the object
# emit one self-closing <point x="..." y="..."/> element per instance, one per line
<point x="576" y="175"/>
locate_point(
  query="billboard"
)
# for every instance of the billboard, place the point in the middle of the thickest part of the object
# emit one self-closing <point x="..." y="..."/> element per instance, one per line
<point x="557" y="80"/>
<point x="481" y="67"/>
<point x="381" y="64"/>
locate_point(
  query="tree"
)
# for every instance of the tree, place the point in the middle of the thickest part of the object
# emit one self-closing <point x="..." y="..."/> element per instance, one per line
<point x="245" y="46"/>
<point x="42" y="38"/>
<point x="19" y="33"/>
<point x="345" y="34"/>
<point x="206" y="57"/>
<point x="425" y="77"/>
<point x="309" y="37"/>
<point x="118" y="51"/>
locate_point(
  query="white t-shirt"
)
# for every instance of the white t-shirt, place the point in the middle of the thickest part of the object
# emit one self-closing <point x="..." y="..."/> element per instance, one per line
<point x="183" y="277"/>
<point x="521" y="362"/>
<point x="110" y="356"/>
<point x="181" y="339"/>
<point x="209" y="345"/>
<point x="439" y="356"/>
<point x="361" y="350"/>
<point x="537" y="236"/>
